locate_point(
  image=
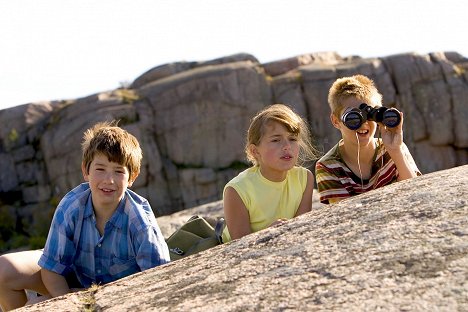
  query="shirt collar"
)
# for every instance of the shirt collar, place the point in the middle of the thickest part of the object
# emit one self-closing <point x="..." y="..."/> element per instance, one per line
<point x="116" y="218"/>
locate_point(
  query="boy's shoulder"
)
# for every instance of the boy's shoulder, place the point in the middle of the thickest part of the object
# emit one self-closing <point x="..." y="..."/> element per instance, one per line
<point x="136" y="198"/>
<point x="331" y="157"/>
<point x="72" y="207"/>
<point x="77" y="197"/>
<point x="138" y="209"/>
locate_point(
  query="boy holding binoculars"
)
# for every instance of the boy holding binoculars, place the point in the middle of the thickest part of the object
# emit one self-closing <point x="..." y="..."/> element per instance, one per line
<point x="359" y="162"/>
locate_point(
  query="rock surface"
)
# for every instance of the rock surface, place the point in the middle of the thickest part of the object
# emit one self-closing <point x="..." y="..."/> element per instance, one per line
<point x="403" y="247"/>
<point x="191" y="119"/>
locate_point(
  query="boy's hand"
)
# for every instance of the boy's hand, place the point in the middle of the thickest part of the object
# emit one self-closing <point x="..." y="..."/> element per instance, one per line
<point x="392" y="138"/>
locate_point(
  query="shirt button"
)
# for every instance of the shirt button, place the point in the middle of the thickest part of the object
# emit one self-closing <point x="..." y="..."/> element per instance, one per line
<point x="99" y="245"/>
<point x="99" y="271"/>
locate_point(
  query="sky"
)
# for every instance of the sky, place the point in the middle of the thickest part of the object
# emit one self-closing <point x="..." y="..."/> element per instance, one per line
<point x="68" y="49"/>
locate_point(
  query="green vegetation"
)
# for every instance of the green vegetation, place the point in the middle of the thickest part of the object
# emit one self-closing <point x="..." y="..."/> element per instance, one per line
<point x="54" y="201"/>
<point x="459" y="71"/>
<point x="127" y="96"/>
<point x="89" y="300"/>
<point x="127" y="120"/>
<point x="36" y="242"/>
<point x="24" y="233"/>
<point x="19" y="241"/>
<point x="188" y="166"/>
<point x="13" y="135"/>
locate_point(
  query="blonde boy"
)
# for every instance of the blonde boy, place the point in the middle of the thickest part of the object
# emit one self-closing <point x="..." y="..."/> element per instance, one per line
<point x="360" y="162"/>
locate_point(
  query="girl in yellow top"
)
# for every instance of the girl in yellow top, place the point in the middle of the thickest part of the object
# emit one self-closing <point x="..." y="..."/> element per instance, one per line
<point x="274" y="189"/>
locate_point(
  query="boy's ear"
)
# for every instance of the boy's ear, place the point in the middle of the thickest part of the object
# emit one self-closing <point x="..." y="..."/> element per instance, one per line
<point x="84" y="172"/>
<point x="132" y="179"/>
<point x="335" y="121"/>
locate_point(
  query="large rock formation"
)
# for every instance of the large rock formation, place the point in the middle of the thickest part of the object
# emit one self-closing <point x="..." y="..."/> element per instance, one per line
<point x="191" y="118"/>
<point x="403" y="247"/>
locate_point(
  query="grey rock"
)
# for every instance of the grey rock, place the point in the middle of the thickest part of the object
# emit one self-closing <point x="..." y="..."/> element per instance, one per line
<point x="36" y="194"/>
<point x="201" y="115"/>
<point x="191" y="119"/>
<point x="401" y="247"/>
<point x="8" y="176"/>
<point x="281" y="67"/>
<point x="167" y="70"/>
<point x="287" y="89"/>
<point x="25" y="152"/>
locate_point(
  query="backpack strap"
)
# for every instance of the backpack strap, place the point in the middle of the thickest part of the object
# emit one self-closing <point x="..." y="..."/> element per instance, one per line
<point x="219" y="228"/>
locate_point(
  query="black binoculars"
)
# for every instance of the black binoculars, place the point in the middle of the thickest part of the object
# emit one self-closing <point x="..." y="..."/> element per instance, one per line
<point x="354" y="118"/>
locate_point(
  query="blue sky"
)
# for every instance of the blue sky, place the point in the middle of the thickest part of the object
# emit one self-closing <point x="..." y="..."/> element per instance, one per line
<point x="64" y="49"/>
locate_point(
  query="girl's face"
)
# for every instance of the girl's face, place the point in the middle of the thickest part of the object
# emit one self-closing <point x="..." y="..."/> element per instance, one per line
<point x="364" y="134"/>
<point x="277" y="151"/>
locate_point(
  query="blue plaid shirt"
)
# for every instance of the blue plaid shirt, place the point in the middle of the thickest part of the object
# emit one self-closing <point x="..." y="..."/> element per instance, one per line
<point x="132" y="241"/>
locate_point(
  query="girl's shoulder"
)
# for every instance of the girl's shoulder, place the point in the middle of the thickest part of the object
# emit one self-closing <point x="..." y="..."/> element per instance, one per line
<point x="247" y="174"/>
<point x="299" y="173"/>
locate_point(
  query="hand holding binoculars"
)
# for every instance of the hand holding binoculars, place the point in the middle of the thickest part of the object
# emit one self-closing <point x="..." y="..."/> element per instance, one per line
<point x="354" y="118"/>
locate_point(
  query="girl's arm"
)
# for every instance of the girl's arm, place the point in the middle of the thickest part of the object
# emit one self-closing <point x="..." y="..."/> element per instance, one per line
<point x="236" y="214"/>
<point x="306" y="202"/>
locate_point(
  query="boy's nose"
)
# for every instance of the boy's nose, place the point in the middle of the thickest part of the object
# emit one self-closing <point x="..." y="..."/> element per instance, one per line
<point x="110" y="177"/>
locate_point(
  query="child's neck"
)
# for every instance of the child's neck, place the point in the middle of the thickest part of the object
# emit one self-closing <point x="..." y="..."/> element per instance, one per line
<point x="102" y="216"/>
<point x="362" y="167"/>
<point x="366" y="152"/>
<point x="274" y="176"/>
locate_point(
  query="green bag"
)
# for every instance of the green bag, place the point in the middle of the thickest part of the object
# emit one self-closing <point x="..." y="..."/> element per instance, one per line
<point x="196" y="235"/>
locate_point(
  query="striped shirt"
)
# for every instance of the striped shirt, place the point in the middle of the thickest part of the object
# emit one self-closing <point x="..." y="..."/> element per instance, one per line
<point x="132" y="241"/>
<point x="336" y="180"/>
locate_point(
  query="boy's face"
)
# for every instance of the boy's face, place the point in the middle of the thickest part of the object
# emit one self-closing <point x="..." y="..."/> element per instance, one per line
<point x="108" y="182"/>
<point x="364" y="134"/>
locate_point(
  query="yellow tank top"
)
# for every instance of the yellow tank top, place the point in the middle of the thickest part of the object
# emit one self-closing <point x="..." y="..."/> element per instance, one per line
<point x="268" y="201"/>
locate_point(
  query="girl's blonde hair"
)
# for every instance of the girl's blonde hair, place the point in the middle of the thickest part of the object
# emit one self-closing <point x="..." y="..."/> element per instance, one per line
<point x="288" y="118"/>
<point x="357" y="86"/>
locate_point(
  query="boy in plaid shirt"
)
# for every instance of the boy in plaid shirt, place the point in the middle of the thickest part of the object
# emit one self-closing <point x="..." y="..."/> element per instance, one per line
<point x="101" y="230"/>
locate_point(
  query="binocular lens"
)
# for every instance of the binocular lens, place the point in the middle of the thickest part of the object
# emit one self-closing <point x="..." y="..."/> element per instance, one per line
<point x="352" y="120"/>
<point x="391" y="118"/>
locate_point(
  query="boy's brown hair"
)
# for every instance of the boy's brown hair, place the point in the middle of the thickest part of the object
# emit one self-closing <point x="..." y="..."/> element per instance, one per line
<point x="117" y="144"/>
<point x="357" y="86"/>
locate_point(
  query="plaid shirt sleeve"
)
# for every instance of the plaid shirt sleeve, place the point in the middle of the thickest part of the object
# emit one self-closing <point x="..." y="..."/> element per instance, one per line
<point x="59" y="250"/>
<point x="151" y="248"/>
<point x="148" y="242"/>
